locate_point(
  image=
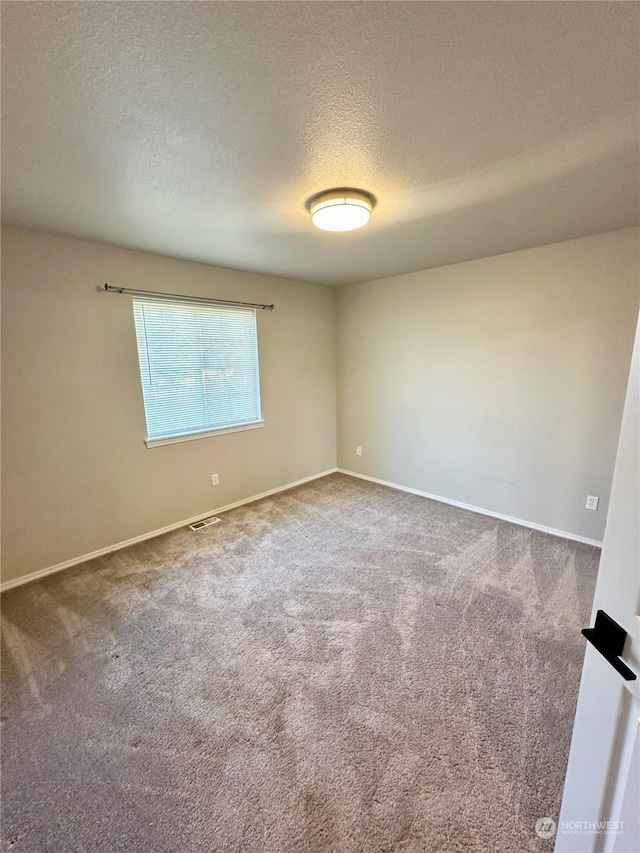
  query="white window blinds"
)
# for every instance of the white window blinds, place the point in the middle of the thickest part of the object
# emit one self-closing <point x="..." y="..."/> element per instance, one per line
<point x="199" y="367"/>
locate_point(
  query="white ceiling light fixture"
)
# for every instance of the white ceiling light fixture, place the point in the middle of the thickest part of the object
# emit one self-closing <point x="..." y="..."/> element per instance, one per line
<point x="341" y="210"/>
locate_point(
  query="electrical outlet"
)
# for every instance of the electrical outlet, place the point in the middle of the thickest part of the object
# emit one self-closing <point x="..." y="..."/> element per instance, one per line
<point x="358" y="451"/>
<point x="592" y="502"/>
<point x="214" y="480"/>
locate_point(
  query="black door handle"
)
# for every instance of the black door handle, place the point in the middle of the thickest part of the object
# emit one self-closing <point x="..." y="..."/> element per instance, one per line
<point x="608" y="637"/>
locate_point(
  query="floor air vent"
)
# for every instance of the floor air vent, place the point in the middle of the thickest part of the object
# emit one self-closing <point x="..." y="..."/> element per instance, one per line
<point x="206" y="522"/>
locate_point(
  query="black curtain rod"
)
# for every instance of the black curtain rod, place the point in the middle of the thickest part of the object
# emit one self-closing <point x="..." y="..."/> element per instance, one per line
<point x="180" y="296"/>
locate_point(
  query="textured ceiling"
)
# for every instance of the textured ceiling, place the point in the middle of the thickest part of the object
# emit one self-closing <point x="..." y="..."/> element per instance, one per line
<point x="199" y="130"/>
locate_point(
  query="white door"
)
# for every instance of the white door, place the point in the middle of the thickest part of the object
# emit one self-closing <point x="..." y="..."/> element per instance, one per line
<point x="601" y="802"/>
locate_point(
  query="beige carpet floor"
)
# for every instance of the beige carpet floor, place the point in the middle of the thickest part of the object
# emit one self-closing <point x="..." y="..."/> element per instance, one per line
<point x="341" y="667"/>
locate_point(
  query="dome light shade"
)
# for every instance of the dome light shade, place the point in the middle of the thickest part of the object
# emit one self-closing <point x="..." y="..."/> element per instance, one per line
<point x="341" y="210"/>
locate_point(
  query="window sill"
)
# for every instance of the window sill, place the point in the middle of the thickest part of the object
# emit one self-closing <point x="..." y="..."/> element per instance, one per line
<point x="159" y="442"/>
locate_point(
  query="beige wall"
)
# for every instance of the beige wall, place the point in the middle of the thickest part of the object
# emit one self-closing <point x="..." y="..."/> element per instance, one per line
<point x="498" y="383"/>
<point x="77" y="476"/>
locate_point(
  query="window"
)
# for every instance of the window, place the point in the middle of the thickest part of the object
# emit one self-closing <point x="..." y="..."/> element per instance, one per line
<point x="199" y="369"/>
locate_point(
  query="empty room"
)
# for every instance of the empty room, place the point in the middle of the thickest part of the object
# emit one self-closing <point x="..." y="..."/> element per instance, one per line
<point x="320" y="476"/>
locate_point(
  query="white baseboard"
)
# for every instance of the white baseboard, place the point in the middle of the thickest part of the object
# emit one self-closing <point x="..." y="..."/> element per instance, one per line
<point x="50" y="570"/>
<point x="562" y="533"/>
